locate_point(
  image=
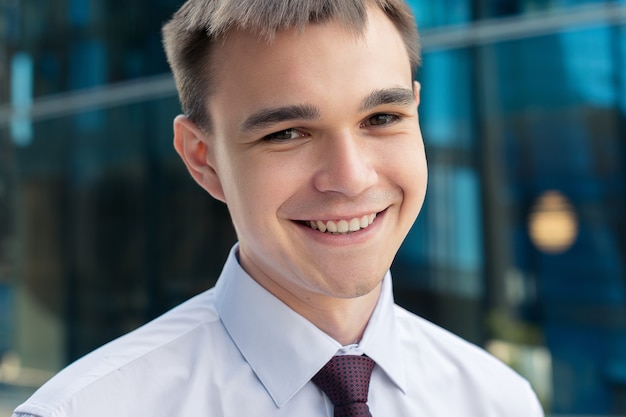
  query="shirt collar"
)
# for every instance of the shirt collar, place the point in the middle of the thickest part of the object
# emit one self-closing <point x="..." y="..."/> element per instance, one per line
<point x="283" y="348"/>
<point x="381" y="340"/>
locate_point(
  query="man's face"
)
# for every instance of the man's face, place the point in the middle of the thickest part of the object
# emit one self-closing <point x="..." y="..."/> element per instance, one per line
<point x="317" y="151"/>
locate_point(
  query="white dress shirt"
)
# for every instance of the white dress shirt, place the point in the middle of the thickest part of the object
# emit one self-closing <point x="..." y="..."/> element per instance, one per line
<point x="236" y="350"/>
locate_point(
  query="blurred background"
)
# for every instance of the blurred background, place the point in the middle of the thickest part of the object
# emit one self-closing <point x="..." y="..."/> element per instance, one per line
<point x="520" y="248"/>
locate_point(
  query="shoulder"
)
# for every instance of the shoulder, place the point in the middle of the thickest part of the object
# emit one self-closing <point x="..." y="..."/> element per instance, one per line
<point x="438" y="343"/>
<point x="463" y="372"/>
<point x="126" y="368"/>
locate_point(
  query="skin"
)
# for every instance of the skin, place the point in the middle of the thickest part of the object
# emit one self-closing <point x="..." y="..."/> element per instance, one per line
<point x="319" y="124"/>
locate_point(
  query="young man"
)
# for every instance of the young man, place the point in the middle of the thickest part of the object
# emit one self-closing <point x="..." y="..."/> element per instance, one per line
<point x="301" y="116"/>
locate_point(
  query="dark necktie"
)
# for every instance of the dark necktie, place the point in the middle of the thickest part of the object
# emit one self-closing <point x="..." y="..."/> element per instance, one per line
<point x="346" y="381"/>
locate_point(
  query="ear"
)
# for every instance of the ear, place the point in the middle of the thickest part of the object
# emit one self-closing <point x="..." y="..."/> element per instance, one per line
<point x="195" y="148"/>
<point x="417" y="88"/>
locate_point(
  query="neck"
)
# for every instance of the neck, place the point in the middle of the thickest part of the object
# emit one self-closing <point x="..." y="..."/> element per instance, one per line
<point x="343" y="319"/>
<point x="340" y="312"/>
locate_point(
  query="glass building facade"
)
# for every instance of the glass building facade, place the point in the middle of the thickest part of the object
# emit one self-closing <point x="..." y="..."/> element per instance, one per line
<point x="520" y="247"/>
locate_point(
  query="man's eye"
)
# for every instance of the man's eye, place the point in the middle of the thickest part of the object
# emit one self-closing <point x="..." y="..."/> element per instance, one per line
<point x="283" y="135"/>
<point x="381" y="119"/>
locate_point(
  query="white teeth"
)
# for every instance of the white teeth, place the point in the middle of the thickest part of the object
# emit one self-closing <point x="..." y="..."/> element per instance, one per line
<point x="364" y="222"/>
<point x="355" y="224"/>
<point x="343" y="226"/>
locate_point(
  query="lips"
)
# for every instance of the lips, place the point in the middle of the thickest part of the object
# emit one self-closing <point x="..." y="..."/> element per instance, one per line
<point x="342" y="226"/>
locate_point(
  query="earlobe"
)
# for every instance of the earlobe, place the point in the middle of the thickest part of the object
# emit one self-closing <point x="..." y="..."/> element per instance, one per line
<point x="193" y="146"/>
<point x="417" y="87"/>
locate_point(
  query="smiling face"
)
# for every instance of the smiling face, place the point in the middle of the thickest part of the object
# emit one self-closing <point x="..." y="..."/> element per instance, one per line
<point x="317" y="152"/>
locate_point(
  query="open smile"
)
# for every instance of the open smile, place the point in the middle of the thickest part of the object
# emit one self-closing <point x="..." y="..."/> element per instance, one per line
<point x="343" y="226"/>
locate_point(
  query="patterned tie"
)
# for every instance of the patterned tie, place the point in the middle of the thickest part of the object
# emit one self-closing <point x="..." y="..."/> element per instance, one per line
<point x="346" y="381"/>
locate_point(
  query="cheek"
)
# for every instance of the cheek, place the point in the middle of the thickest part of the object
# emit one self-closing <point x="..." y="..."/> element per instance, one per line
<point x="259" y="185"/>
<point x="410" y="173"/>
<point x="406" y="160"/>
<point x="418" y="175"/>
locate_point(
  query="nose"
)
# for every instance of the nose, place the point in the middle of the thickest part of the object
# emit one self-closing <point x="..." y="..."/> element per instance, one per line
<point x="347" y="165"/>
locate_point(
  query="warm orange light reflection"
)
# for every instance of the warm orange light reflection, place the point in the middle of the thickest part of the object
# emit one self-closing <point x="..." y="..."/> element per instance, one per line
<point x="553" y="224"/>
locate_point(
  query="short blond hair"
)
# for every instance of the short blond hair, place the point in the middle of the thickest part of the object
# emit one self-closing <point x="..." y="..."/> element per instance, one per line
<point x="194" y="29"/>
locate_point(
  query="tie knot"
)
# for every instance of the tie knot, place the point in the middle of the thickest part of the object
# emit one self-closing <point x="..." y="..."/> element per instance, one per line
<point x="345" y="379"/>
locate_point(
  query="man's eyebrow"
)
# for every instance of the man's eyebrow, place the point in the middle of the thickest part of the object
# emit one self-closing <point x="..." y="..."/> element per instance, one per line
<point x="269" y="116"/>
<point x="399" y="96"/>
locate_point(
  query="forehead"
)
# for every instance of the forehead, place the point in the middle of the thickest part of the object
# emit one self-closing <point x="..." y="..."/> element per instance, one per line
<point x="316" y="64"/>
